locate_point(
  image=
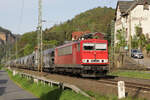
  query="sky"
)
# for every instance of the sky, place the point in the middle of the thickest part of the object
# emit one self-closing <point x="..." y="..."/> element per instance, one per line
<point x="21" y="16"/>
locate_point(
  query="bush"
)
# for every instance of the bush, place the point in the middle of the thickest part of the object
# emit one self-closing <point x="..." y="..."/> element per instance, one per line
<point x="148" y="48"/>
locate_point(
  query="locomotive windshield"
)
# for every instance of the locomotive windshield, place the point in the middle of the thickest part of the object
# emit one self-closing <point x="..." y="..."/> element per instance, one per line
<point x="101" y="46"/>
<point x="94" y="46"/>
<point x="88" y="46"/>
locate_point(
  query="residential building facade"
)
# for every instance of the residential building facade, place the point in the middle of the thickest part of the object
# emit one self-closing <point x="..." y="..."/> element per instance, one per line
<point x="131" y="14"/>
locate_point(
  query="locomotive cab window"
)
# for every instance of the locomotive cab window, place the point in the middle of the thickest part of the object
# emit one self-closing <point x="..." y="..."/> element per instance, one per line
<point x="95" y="46"/>
<point x="88" y="46"/>
<point x="101" y="46"/>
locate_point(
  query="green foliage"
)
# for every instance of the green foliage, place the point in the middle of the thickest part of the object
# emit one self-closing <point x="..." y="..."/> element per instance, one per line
<point x="26" y="44"/>
<point x="94" y="20"/>
<point x="148" y="48"/>
<point x="132" y="74"/>
<point x="142" y="41"/>
<point x="110" y="97"/>
<point x="121" y="38"/>
<point x="45" y="92"/>
<point x="139" y="39"/>
<point x="1" y="67"/>
<point x="134" y="42"/>
<point x="108" y="34"/>
<point x="138" y="30"/>
<point x="50" y="44"/>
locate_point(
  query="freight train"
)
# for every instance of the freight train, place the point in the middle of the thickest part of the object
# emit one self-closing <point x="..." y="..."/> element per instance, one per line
<point x="88" y="58"/>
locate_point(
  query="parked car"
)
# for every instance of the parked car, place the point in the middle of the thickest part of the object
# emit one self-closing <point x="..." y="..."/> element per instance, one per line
<point x="136" y="53"/>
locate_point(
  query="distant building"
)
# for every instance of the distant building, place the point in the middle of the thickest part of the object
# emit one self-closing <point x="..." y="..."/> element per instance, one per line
<point x="130" y="14"/>
<point x="87" y="35"/>
<point x="77" y="35"/>
<point x="96" y="35"/>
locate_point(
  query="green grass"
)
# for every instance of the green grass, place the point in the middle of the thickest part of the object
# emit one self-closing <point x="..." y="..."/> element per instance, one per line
<point x="54" y="93"/>
<point x="1" y="67"/>
<point x="132" y="74"/>
<point x="110" y="97"/>
<point x="45" y="92"/>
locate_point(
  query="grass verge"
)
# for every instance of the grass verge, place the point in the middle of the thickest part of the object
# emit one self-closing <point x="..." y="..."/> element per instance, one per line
<point x="110" y="97"/>
<point x="1" y="67"/>
<point x="132" y="74"/>
<point x="45" y="92"/>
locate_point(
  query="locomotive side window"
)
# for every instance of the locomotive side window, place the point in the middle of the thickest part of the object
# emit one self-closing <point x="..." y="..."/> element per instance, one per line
<point x="101" y="46"/>
<point x="88" y="46"/>
<point x="65" y="51"/>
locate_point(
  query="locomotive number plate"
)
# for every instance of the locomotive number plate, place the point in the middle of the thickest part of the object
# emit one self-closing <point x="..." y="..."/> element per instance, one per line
<point x="94" y="60"/>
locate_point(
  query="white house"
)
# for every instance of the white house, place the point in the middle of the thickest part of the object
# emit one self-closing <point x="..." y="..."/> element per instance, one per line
<point x="130" y="14"/>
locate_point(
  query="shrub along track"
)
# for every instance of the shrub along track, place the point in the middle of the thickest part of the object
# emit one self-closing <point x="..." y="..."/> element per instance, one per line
<point x="134" y="87"/>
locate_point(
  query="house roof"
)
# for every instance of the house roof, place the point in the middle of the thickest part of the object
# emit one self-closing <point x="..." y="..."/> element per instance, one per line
<point x="126" y="6"/>
<point x="143" y="1"/>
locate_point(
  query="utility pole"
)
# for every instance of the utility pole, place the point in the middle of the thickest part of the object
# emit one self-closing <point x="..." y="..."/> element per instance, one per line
<point x="112" y="52"/>
<point x="16" y="52"/>
<point x="129" y="43"/>
<point x="39" y="37"/>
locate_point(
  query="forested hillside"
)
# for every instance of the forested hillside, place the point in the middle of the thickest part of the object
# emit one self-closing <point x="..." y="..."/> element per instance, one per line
<point x="6" y="41"/>
<point x="94" y="20"/>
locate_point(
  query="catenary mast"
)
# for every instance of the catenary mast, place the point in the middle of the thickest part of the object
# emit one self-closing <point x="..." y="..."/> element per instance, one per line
<point x="39" y="38"/>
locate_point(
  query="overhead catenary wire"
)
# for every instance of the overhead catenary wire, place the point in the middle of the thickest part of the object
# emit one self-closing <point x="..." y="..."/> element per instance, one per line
<point x="19" y="25"/>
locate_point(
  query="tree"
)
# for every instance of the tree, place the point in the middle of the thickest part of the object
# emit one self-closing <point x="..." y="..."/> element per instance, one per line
<point x="134" y="41"/>
<point x="148" y="48"/>
<point x="140" y="37"/>
<point x="121" y="39"/>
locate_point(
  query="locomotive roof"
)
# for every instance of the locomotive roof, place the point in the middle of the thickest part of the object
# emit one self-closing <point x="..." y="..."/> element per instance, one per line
<point x="71" y="43"/>
<point x="68" y="44"/>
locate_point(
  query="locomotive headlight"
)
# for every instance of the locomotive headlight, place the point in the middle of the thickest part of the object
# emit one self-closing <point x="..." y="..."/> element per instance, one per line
<point x="84" y="60"/>
<point x="106" y="60"/>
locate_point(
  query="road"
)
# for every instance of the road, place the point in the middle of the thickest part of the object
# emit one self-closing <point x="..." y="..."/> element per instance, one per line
<point x="10" y="91"/>
<point x="145" y="61"/>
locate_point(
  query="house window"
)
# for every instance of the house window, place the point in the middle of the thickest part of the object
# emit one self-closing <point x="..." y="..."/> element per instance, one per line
<point x="146" y="6"/>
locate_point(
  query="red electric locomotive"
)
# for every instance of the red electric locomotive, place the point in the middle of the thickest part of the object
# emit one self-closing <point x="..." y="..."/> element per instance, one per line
<point x="88" y="58"/>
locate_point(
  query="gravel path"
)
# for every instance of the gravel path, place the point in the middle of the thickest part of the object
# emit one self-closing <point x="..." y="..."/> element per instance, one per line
<point x="10" y="91"/>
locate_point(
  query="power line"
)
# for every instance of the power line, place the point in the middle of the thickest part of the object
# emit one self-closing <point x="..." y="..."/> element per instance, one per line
<point x="21" y="16"/>
<point x="19" y="25"/>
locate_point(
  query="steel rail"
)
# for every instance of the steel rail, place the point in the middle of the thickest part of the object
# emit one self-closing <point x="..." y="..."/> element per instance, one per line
<point x="144" y="87"/>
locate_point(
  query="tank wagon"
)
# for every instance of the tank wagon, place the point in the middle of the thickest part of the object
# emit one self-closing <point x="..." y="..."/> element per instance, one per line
<point x="88" y="58"/>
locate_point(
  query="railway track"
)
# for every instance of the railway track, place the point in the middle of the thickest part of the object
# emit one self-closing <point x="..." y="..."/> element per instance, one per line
<point x="144" y="87"/>
<point x="139" y="69"/>
<point x="106" y="85"/>
<point x="111" y="81"/>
